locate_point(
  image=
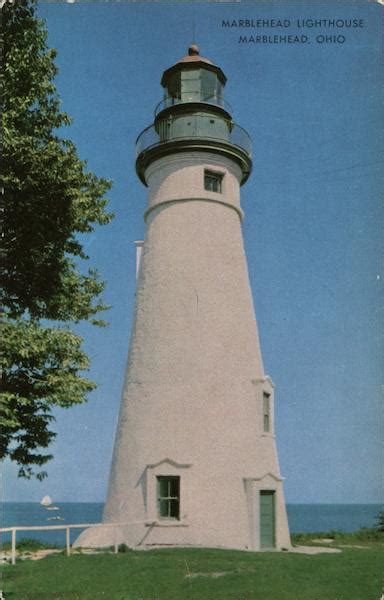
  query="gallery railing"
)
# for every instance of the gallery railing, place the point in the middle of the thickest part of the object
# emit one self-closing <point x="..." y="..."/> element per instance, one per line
<point x="199" y="128"/>
<point x="193" y="97"/>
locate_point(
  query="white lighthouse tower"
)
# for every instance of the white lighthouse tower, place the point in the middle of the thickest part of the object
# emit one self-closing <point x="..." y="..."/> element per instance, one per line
<point x="195" y="459"/>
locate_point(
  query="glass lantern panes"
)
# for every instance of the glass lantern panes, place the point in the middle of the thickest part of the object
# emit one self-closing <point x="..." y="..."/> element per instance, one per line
<point x="174" y="86"/>
<point x="193" y="85"/>
<point x="210" y="86"/>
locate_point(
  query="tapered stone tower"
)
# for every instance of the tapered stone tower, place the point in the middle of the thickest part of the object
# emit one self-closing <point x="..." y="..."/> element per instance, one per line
<point x="195" y="459"/>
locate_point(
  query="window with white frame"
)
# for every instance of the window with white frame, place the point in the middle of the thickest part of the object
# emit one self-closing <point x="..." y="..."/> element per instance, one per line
<point x="168" y="496"/>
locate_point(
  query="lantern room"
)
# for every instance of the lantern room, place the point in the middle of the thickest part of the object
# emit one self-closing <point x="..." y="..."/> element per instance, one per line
<point x="193" y="79"/>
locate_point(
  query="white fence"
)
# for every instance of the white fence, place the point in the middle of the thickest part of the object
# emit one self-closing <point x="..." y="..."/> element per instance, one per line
<point x="67" y="529"/>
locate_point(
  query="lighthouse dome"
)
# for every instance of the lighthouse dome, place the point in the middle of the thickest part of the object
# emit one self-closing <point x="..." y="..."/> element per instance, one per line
<point x="194" y="55"/>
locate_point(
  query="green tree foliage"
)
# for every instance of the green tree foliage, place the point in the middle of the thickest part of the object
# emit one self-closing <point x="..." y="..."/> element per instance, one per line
<point x="49" y="199"/>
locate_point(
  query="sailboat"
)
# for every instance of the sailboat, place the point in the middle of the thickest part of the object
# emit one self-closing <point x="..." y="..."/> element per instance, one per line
<point x="46" y="501"/>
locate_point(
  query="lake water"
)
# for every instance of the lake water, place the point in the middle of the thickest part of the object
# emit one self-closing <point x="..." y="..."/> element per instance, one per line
<point x="301" y="517"/>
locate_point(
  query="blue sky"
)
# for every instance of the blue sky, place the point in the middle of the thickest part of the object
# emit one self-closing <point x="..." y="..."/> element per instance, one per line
<point x="312" y="228"/>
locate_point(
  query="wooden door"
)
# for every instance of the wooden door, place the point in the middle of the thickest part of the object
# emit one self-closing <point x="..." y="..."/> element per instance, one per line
<point x="267" y="519"/>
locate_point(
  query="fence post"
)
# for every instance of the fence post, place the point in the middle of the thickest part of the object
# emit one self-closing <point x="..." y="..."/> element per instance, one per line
<point x="116" y="544"/>
<point x="67" y="540"/>
<point x="13" y="546"/>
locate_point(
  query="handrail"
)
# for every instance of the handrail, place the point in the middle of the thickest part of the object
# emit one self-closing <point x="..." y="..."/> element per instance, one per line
<point x="76" y="526"/>
<point x="68" y="528"/>
<point x="194" y="97"/>
<point x="237" y="136"/>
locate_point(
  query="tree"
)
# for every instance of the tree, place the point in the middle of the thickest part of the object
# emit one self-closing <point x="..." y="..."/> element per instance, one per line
<point x="50" y="198"/>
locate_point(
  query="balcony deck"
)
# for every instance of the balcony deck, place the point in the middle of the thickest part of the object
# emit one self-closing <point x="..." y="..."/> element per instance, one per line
<point x="194" y="132"/>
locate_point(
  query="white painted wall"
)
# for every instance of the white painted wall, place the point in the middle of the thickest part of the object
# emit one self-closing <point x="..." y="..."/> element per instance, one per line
<point x="192" y="401"/>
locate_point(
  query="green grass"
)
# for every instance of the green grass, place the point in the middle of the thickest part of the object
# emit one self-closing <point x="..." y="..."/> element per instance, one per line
<point x="199" y="574"/>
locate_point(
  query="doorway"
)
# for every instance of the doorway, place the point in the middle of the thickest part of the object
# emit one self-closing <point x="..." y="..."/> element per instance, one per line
<point x="267" y="519"/>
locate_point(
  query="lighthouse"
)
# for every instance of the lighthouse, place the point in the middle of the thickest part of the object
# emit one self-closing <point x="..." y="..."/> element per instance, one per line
<point x="195" y="460"/>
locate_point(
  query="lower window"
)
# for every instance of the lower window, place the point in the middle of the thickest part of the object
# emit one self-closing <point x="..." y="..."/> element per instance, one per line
<point x="168" y="496"/>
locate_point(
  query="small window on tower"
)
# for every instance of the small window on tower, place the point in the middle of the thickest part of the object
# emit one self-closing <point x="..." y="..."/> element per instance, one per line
<point x="168" y="496"/>
<point x="213" y="181"/>
<point x="266" y="411"/>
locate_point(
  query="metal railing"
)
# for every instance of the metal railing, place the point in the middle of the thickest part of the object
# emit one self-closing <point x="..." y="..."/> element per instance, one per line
<point x="234" y="134"/>
<point x="67" y="529"/>
<point x="216" y="100"/>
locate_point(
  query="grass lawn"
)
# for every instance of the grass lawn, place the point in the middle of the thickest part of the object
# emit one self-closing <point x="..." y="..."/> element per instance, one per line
<point x="200" y="574"/>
